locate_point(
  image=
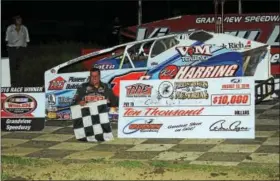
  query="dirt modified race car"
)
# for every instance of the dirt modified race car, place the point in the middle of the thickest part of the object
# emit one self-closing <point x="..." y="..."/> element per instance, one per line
<point x="189" y="55"/>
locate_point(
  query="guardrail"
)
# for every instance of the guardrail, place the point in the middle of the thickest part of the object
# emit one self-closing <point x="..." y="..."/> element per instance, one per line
<point x="263" y="89"/>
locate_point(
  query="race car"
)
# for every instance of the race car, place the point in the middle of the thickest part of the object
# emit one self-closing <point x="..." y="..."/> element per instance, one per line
<point x="189" y="55"/>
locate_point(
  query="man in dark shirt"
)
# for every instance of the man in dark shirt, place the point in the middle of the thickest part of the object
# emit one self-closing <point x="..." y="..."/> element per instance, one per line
<point x="95" y="90"/>
<point x="115" y="34"/>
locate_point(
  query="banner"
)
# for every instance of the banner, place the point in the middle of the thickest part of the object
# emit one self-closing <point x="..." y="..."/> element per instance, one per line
<point x="22" y="108"/>
<point x="193" y="108"/>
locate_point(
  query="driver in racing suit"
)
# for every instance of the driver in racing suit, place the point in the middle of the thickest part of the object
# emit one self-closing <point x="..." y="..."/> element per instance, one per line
<point x="95" y="90"/>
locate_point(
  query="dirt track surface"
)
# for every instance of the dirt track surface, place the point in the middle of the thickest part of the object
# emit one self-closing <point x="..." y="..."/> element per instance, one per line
<point x="57" y="142"/>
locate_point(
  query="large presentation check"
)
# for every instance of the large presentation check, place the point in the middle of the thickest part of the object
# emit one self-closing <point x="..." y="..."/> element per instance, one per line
<point x="193" y="108"/>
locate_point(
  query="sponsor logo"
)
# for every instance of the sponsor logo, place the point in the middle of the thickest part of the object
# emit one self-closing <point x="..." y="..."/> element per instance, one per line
<point x="51" y="99"/>
<point x="75" y="82"/>
<point x="63" y="115"/>
<point x="20" y="104"/>
<point x="190" y="72"/>
<point x="169" y="72"/>
<point x="139" y="90"/>
<point x="64" y="100"/>
<point x="191" y="90"/>
<point x="104" y="66"/>
<point x="154" y="63"/>
<point x="237" y="46"/>
<point x="141" y="125"/>
<point x="223" y="125"/>
<point x="57" y="84"/>
<point x="184" y="127"/>
<point x="77" y="79"/>
<point x="194" y="53"/>
<point x="52" y="109"/>
<point x="235" y="80"/>
<point x="166" y="89"/>
<point x="94" y="98"/>
<point x="101" y="90"/>
<point x="156" y="111"/>
<point x="242" y="112"/>
<point x="52" y="115"/>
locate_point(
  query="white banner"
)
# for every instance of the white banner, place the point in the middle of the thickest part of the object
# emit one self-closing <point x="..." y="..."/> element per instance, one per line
<point x="193" y="108"/>
<point x="22" y="108"/>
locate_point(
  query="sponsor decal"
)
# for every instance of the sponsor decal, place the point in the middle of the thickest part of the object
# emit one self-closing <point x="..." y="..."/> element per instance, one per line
<point x="57" y="84"/>
<point x="235" y="80"/>
<point x="94" y="98"/>
<point x="53" y="71"/>
<point x="64" y="115"/>
<point x="64" y="100"/>
<point x="189" y="72"/>
<point x="104" y="66"/>
<point x="139" y="90"/>
<point x="52" y="115"/>
<point x="75" y="82"/>
<point x="154" y="63"/>
<point x="191" y="90"/>
<point x="166" y="89"/>
<point x="128" y="76"/>
<point x="184" y="127"/>
<point x="101" y="90"/>
<point x="156" y="111"/>
<point x="51" y="99"/>
<point x="169" y="72"/>
<point x="194" y="53"/>
<point x="237" y="46"/>
<point x="223" y="125"/>
<point x="142" y="125"/>
<point x="19" y="104"/>
<point x="242" y="112"/>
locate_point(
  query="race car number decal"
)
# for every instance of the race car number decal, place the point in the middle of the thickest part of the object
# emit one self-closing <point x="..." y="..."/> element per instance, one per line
<point x="129" y="76"/>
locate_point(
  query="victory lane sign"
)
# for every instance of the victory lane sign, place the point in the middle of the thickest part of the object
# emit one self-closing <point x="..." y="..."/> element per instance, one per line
<point x="22" y="108"/>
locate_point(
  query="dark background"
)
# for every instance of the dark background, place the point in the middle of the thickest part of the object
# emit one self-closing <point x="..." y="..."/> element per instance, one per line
<point x="90" y="21"/>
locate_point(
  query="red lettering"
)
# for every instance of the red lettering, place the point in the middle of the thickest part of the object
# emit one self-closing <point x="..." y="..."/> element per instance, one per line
<point x="131" y="112"/>
<point x="128" y="76"/>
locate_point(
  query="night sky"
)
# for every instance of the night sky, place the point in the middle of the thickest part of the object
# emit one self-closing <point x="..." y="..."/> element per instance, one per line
<point x="78" y="20"/>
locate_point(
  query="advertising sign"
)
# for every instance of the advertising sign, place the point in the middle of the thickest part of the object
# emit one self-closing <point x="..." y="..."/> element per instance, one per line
<point x="22" y="108"/>
<point x="193" y="108"/>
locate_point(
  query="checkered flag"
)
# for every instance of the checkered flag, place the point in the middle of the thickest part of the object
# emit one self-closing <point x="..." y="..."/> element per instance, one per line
<point x="91" y="122"/>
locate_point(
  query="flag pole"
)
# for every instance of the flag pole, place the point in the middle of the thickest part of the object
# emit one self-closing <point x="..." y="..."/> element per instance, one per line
<point x="139" y="13"/>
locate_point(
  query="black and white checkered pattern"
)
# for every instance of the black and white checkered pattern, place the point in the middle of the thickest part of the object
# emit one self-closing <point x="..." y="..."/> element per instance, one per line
<point x="91" y="122"/>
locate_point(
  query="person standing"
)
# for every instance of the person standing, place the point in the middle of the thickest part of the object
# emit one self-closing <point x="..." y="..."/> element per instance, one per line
<point x="17" y="37"/>
<point x="116" y="32"/>
<point x="95" y="90"/>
